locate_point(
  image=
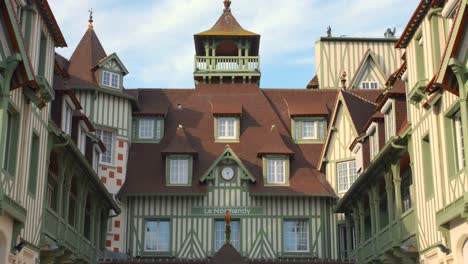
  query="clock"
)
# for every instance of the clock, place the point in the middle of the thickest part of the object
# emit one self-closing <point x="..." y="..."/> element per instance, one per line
<point x="227" y="173"/>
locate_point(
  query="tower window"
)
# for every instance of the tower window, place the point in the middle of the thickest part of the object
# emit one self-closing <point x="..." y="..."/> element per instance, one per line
<point x="110" y="79"/>
<point x="370" y="85"/>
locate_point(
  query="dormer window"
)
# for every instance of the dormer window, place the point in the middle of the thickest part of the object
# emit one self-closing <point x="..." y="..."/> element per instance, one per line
<point x="369" y="85"/>
<point x="148" y="129"/>
<point x="389" y="116"/>
<point x="373" y="140"/>
<point x="82" y="138"/>
<point x="67" y="113"/>
<point x="179" y="169"/>
<point x="309" y="130"/>
<point x="276" y="170"/>
<point x="110" y="79"/>
<point x="227" y="129"/>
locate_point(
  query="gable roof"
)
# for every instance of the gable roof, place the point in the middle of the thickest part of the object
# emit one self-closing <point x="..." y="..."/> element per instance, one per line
<point x="87" y="54"/>
<point x="368" y="56"/>
<point x="113" y="56"/>
<point x="261" y="110"/>
<point x="352" y="101"/>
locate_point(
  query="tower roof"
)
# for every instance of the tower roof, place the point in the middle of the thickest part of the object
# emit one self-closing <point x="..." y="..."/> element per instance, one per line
<point x="227" y="25"/>
<point x="86" y="55"/>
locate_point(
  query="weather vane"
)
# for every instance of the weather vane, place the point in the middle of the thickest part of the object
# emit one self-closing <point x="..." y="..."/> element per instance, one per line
<point x="90" y="11"/>
<point x="227" y="5"/>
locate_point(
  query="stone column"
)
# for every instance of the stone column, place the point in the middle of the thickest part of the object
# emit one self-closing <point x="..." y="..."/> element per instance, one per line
<point x="376" y="195"/>
<point x="372" y="212"/>
<point x="397" y="182"/>
<point x="390" y="194"/>
<point x="349" y="236"/>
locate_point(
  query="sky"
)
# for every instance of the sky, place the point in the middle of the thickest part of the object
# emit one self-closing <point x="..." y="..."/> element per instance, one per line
<point x="154" y="38"/>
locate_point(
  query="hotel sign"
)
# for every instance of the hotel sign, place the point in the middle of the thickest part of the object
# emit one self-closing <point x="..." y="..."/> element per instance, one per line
<point x="221" y="211"/>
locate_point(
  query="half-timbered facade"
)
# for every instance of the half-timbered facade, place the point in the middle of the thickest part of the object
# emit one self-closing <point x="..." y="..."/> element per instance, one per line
<point x="28" y="37"/>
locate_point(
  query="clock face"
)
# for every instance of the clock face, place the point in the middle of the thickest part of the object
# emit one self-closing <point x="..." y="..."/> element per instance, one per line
<point x="227" y="173"/>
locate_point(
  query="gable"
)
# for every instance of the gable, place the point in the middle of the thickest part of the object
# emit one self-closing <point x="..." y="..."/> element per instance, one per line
<point x="227" y="159"/>
<point x="369" y="70"/>
<point x="113" y="63"/>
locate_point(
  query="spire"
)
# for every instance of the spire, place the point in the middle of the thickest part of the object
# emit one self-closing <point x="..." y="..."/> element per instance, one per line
<point x="227" y="5"/>
<point x="90" y="26"/>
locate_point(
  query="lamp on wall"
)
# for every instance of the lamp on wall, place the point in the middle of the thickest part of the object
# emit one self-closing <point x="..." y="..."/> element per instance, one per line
<point x="19" y="246"/>
<point x="444" y="249"/>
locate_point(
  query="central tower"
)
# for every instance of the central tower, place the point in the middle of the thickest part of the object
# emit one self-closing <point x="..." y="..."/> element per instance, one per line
<point x="227" y="53"/>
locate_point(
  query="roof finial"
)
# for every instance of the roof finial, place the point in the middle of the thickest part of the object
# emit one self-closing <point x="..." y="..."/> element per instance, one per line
<point x="227" y="5"/>
<point x="90" y="26"/>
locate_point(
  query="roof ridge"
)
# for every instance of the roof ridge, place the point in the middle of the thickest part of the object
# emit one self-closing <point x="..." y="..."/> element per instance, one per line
<point x="358" y="96"/>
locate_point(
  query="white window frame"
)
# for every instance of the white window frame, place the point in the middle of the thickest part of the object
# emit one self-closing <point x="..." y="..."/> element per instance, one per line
<point x="273" y="172"/>
<point x="82" y="133"/>
<point x="458" y="140"/>
<point x="67" y="114"/>
<point x="389" y="119"/>
<point x="357" y="151"/>
<point x="224" y="122"/>
<point x="346" y="175"/>
<point x="289" y="236"/>
<point x="109" y="82"/>
<point x="146" y="128"/>
<point x="373" y="133"/>
<point x="220" y="235"/>
<point x="157" y="237"/>
<point x="109" y="150"/>
<point x="370" y="85"/>
<point x="96" y="159"/>
<point x="318" y="128"/>
<point x="179" y="171"/>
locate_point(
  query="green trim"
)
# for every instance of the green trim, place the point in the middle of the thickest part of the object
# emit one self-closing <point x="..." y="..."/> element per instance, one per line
<point x="265" y="169"/>
<point x="136" y="130"/>
<point x="143" y="236"/>
<point x="419" y="54"/>
<point x="230" y="155"/>
<point x="303" y="254"/>
<point x="433" y="17"/>
<point x="236" y="129"/>
<point x="321" y="131"/>
<point x="14" y="141"/>
<point x="12" y="208"/>
<point x="416" y="94"/>
<point x="109" y="91"/>
<point x="458" y="208"/>
<point x="47" y="92"/>
<point x="42" y="54"/>
<point x="33" y="163"/>
<point x="427" y="167"/>
<point x="190" y="168"/>
<point x="114" y="56"/>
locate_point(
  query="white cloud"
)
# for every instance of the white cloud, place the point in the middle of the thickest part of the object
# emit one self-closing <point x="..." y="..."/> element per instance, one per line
<point x="154" y="38"/>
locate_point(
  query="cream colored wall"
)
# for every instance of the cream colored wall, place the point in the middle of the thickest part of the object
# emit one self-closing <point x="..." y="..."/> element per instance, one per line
<point x="6" y="230"/>
<point x="333" y="57"/>
<point x="338" y="146"/>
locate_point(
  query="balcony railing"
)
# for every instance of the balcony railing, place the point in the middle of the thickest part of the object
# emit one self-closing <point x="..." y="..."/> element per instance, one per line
<point x="390" y="236"/>
<point x="58" y="229"/>
<point x="227" y="64"/>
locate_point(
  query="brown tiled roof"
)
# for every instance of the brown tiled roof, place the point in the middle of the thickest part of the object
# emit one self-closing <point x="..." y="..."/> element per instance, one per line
<point x="359" y="108"/>
<point x="413" y="23"/>
<point x="179" y="144"/>
<point x="261" y="109"/>
<point x="227" y="25"/>
<point x="224" y="105"/>
<point x="275" y="144"/>
<point x="300" y="107"/>
<point x="86" y="55"/>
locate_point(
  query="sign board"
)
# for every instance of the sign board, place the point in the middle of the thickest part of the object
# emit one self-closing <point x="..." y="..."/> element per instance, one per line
<point x="221" y="211"/>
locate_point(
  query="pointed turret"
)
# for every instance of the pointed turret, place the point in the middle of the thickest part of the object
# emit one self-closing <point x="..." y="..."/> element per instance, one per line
<point x="227" y="53"/>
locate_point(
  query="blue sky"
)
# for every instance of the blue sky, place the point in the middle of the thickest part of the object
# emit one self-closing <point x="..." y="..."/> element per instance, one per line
<point x="154" y="38"/>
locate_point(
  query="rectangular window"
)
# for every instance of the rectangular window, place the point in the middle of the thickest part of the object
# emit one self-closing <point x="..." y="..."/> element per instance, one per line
<point x="110" y="79"/>
<point x="373" y="144"/>
<point x="179" y="171"/>
<point x="42" y="55"/>
<point x="420" y="63"/>
<point x="33" y="164"/>
<point x="227" y="127"/>
<point x="459" y="147"/>
<point x="369" y="85"/>
<point x="82" y="139"/>
<point x="107" y="138"/>
<point x="296" y="236"/>
<point x="427" y="167"/>
<point x="309" y="129"/>
<point x="67" y="114"/>
<point x="276" y="170"/>
<point x="95" y="160"/>
<point x="220" y="239"/>
<point x="146" y="128"/>
<point x="346" y="172"/>
<point x="389" y="123"/>
<point x="157" y="236"/>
